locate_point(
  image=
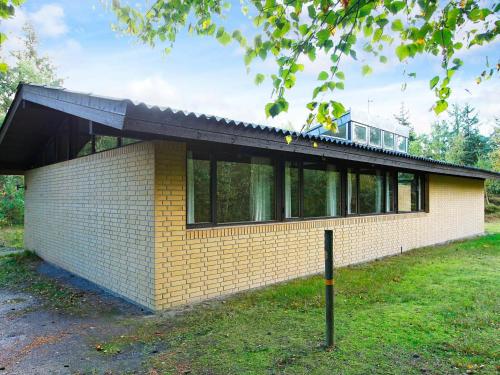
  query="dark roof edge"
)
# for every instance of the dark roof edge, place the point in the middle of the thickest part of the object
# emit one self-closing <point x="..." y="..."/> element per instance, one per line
<point x="123" y="114"/>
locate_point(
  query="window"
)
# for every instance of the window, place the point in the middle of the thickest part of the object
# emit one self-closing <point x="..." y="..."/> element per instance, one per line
<point x="410" y="192"/>
<point x="352" y="192"/>
<point x="245" y="189"/>
<point x="401" y="144"/>
<point x="388" y="140"/>
<point x="340" y="133"/>
<point x="129" y="141"/>
<point x="224" y="188"/>
<point x="104" y="142"/>
<point x="375" y="137"/>
<point x="371" y="187"/>
<point x="198" y="188"/>
<point x="292" y="190"/>
<point x="321" y="190"/>
<point x="389" y="192"/>
<point x="360" y="134"/>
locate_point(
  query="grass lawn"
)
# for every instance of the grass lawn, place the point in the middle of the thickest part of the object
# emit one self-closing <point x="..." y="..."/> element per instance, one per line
<point x="434" y="310"/>
<point x="12" y="236"/>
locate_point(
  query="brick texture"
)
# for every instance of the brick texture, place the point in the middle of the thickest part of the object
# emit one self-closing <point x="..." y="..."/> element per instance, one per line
<point x="118" y="218"/>
<point x="196" y="264"/>
<point x="94" y="217"/>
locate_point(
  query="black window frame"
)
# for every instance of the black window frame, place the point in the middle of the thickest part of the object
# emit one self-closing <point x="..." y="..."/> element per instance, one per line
<point x="279" y="161"/>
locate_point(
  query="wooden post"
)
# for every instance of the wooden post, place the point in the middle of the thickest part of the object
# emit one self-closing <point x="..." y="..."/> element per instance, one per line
<point x="329" y="288"/>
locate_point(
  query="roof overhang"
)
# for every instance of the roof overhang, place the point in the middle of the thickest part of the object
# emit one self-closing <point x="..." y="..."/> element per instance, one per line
<point x="24" y="122"/>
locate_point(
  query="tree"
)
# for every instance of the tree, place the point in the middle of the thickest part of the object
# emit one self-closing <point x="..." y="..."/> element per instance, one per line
<point x="290" y="30"/>
<point x="7" y="10"/>
<point x="28" y="67"/>
<point x="466" y="145"/>
<point x="415" y="142"/>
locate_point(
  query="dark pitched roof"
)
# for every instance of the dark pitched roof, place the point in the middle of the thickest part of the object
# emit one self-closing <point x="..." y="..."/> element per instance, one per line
<point x="155" y="122"/>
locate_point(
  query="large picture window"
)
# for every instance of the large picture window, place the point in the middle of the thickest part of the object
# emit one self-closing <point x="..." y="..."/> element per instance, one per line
<point x="371" y="192"/>
<point x="245" y="190"/>
<point x="321" y="190"/>
<point x="352" y="192"/>
<point x="292" y="190"/>
<point x="223" y="188"/>
<point x="198" y="188"/>
<point x="389" y="192"/>
<point x="408" y="192"/>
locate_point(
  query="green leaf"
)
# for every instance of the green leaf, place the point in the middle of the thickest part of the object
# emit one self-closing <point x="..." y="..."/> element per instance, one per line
<point x="402" y="52"/>
<point x="339" y="85"/>
<point x="323" y="35"/>
<point x="478" y="14"/>
<point x="223" y="37"/>
<point x="337" y="109"/>
<point x="397" y="25"/>
<point x="383" y="59"/>
<point x="340" y="75"/>
<point x="366" y="70"/>
<point x="440" y="106"/>
<point x="273" y="109"/>
<point x="3" y="67"/>
<point x="367" y="31"/>
<point x="322" y="76"/>
<point x="259" y="78"/>
<point x="442" y="37"/>
<point x="433" y="82"/>
<point x="396" y="6"/>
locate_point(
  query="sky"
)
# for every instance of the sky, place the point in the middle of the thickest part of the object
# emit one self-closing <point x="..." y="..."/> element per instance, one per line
<point x="201" y="75"/>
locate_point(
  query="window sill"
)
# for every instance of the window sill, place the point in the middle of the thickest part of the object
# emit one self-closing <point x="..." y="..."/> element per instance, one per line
<point x="194" y="227"/>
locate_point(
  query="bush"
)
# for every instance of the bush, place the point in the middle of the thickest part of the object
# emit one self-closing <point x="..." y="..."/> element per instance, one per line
<point x="11" y="200"/>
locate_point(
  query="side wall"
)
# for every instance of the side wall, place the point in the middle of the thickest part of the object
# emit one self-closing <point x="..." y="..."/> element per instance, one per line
<point x="93" y="216"/>
<point x="196" y="264"/>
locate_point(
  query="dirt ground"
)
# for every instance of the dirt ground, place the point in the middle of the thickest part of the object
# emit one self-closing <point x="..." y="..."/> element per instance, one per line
<point x="38" y="340"/>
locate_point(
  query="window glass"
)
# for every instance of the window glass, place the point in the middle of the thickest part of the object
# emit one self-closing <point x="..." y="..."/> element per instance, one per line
<point x="352" y="193"/>
<point x="198" y="189"/>
<point x="292" y="190"/>
<point x="321" y="190"/>
<point x="245" y="190"/>
<point x="401" y="144"/>
<point x="371" y="187"/>
<point x="86" y="149"/>
<point x="375" y="137"/>
<point x="388" y="140"/>
<point x="421" y="195"/>
<point x="105" y="142"/>
<point x="128" y="141"/>
<point x="407" y="192"/>
<point x="340" y="133"/>
<point x="360" y="134"/>
<point x="389" y="192"/>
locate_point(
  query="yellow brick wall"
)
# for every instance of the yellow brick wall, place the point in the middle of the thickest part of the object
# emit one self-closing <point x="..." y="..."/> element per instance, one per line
<point x="94" y="217"/>
<point x="196" y="264"/>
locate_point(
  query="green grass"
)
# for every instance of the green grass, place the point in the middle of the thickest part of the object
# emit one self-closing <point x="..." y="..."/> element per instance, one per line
<point x="434" y="310"/>
<point x="12" y="236"/>
<point x="492" y="227"/>
<point x="17" y="271"/>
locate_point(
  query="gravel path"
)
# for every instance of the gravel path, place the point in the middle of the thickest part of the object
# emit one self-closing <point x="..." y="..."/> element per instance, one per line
<point x="34" y="340"/>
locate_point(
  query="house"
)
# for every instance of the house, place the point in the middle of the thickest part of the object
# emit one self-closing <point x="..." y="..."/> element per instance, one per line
<point x="165" y="207"/>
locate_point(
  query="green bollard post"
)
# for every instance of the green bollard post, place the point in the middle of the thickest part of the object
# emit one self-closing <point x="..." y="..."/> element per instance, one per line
<point x="329" y="288"/>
